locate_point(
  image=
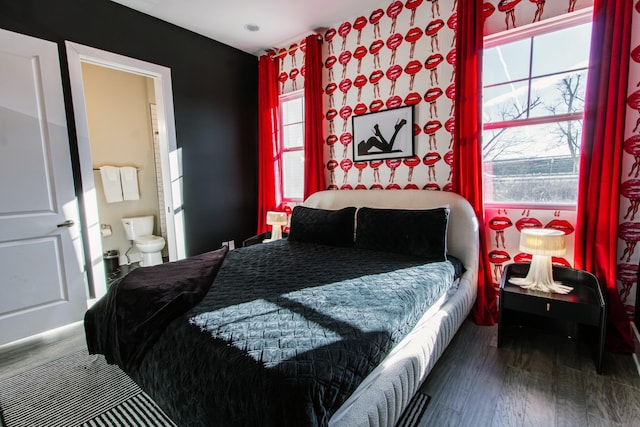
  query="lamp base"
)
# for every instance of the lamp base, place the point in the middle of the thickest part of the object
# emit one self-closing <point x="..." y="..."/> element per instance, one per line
<point x="276" y="234"/>
<point x="540" y="277"/>
<point x="550" y="288"/>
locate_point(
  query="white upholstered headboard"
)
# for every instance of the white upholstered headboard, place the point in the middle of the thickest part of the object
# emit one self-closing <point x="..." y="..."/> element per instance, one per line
<point x="462" y="234"/>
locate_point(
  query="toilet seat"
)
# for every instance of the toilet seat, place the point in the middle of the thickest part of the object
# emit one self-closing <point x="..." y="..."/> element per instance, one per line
<point x="147" y="240"/>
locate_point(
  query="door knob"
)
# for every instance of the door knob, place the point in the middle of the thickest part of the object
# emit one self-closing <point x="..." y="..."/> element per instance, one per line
<point x="67" y="223"/>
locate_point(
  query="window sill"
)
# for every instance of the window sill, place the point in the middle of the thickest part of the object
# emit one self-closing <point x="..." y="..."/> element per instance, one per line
<point x="531" y="206"/>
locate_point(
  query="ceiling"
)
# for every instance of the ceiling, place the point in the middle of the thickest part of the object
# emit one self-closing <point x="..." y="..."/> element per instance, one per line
<point x="281" y="22"/>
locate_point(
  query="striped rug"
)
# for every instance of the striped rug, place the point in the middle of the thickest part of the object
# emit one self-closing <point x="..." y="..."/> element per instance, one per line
<point x="83" y="390"/>
<point x="74" y="390"/>
<point x="414" y="412"/>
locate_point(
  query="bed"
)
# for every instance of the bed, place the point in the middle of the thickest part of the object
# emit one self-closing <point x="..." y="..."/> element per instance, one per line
<point x="336" y="325"/>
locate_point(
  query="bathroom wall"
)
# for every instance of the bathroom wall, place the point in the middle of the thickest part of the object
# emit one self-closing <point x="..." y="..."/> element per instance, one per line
<point x="120" y="134"/>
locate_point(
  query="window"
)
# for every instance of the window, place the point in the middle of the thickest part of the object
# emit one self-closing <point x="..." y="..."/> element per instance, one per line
<point x="533" y="100"/>
<point x="291" y="149"/>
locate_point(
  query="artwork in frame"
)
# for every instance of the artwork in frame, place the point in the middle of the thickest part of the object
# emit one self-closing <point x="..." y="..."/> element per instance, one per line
<point x="386" y="134"/>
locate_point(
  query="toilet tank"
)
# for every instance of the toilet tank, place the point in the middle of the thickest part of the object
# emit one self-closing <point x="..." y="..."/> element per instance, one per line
<point x="138" y="226"/>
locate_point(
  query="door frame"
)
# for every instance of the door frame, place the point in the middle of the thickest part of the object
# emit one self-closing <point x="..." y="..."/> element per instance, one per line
<point x="170" y="160"/>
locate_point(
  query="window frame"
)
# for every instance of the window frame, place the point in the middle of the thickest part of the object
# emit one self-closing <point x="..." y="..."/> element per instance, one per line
<point x="281" y="149"/>
<point x="556" y="23"/>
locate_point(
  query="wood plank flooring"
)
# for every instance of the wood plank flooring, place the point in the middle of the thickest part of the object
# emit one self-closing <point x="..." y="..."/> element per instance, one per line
<point x="534" y="380"/>
<point x="32" y="352"/>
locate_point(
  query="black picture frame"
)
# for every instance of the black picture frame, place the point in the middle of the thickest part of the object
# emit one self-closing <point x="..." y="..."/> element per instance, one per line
<point x="386" y="134"/>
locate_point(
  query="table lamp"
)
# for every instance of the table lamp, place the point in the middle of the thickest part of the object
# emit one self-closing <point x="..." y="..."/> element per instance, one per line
<point x="276" y="220"/>
<point x="542" y="243"/>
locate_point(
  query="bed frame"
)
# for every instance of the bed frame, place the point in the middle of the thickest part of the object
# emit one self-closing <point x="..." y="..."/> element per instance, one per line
<point x="387" y="391"/>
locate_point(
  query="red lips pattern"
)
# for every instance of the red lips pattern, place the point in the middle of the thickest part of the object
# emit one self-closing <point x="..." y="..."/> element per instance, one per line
<point x="380" y="63"/>
<point x="630" y="193"/>
<point x="500" y="223"/>
<point x="367" y="88"/>
<point x="501" y="15"/>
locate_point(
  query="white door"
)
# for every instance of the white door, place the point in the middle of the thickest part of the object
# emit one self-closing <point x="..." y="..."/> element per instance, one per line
<point x="42" y="282"/>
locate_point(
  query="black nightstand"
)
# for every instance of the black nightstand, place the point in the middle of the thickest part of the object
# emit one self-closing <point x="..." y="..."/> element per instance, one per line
<point x="584" y="306"/>
<point x="258" y="238"/>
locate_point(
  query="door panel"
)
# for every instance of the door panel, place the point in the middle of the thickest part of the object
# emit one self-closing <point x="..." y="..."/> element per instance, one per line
<point x="42" y="282"/>
<point x="40" y="286"/>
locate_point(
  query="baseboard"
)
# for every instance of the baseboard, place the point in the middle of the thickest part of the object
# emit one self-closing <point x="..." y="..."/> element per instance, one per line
<point x="42" y="338"/>
<point x="635" y="336"/>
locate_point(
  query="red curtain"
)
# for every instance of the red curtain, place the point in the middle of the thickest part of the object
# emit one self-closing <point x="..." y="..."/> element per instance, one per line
<point x="268" y="136"/>
<point x="313" y="148"/>
<point x="467" y="177"/>
<point x="601" y="160"/>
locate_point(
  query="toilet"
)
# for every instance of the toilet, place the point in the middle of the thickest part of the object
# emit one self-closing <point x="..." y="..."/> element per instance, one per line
<point x="140" y="230"/>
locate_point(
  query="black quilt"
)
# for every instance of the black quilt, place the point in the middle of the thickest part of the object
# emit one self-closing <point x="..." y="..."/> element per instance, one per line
<point x="129" y="318"/>
<point x="286" y="333"/>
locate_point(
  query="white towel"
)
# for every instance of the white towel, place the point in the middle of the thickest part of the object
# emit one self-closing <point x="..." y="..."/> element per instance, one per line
<point x="129" y="178"/>
<point x="111" y="183"/>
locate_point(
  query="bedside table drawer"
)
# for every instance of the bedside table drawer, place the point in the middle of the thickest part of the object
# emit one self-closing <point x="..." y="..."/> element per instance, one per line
<point x="587" y="314"/>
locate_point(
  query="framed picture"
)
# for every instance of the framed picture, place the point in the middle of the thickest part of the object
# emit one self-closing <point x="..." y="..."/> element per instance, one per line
<point x="384" y="134"/>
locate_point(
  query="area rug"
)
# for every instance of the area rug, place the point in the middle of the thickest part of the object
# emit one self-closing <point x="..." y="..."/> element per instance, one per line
<point x="84" y="390"/>
<point x="414" y="412"/>
<point x="77" y="390"/>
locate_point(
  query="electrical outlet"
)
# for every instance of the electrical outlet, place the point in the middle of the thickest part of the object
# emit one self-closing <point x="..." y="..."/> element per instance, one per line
<point x="231" y="244"/>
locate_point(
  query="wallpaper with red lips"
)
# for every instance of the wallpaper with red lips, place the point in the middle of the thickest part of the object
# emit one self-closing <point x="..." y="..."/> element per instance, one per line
<point x="404" y="54"/>
<point x="629" y="228"/>
<point x="504" y="15"/>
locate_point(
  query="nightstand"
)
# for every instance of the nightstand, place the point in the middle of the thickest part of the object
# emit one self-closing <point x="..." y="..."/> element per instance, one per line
<point x="583" y="307"/>
<point x="258" y="238"/>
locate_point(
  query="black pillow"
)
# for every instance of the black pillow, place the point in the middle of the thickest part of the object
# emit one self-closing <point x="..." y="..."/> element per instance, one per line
<point x="326" y="227"/>
<point x="422" y="233"/>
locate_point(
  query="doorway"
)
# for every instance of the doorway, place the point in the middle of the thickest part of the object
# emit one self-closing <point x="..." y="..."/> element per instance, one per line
<point x="167" y="165"/>
<point x="120" y="107"/>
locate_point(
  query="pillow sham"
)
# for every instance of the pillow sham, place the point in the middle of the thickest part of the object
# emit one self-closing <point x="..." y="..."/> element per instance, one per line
<point x="323" y="226"/>
<point x="421" y="233"/>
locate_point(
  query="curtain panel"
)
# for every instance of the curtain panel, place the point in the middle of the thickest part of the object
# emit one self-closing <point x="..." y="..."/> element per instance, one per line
<point x="467" y="172"/>
<point x="268" y="137"/>
<point x="313" y="116"/>
<point x="601" y="160"/>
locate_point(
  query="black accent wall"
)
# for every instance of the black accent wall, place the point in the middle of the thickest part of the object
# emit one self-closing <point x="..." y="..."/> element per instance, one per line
<point x="214" y="95"/>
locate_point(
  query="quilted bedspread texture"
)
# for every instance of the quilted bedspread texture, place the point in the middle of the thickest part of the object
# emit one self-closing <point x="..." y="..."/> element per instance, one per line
<point x="286" y="333"/>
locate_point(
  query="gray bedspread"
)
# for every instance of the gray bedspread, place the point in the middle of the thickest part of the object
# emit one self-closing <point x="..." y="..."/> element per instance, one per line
<point x="286" y="333"/>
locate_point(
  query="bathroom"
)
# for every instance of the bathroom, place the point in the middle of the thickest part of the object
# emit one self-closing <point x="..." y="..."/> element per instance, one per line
<point x="123" y="132"/>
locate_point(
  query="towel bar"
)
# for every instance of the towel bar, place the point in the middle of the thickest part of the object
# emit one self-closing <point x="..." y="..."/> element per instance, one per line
<point x="137" y="168"/>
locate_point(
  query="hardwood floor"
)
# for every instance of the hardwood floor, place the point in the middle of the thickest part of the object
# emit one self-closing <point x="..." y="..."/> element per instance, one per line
<point x="29" y="353"/>
<point x="533" y="380"/>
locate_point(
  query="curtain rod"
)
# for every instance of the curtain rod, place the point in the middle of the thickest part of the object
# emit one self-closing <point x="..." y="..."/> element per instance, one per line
<point x="285" y="52"/>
